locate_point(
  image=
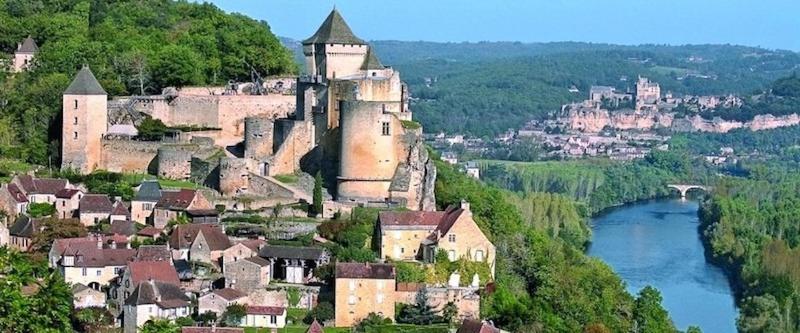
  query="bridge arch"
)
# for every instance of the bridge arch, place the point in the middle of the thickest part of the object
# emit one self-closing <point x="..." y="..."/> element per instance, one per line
<point x="683" y="188"/>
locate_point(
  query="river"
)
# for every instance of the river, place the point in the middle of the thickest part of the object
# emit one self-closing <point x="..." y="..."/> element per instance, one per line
<point x="657" y="243"/>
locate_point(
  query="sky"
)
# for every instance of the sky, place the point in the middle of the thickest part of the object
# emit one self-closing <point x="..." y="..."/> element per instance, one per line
<point x="773" y="24"/>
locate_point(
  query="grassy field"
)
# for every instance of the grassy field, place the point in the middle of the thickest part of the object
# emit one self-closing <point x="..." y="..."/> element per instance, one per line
<point x="169" y="183"/>
<point x="288" y="178"/>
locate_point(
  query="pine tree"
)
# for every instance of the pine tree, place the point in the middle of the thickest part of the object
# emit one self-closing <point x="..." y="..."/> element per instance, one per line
<point x="317" y="204"/>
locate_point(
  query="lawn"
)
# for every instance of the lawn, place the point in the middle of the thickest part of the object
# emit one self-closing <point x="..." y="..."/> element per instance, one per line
<point x="295" y="329"/>
<point x="169" y="183"/>
<point x="288" y="178"/>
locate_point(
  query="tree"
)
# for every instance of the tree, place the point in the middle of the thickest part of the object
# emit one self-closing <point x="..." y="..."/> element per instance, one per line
<point x="234" y="314"/>
<point x="450" y="313"/>
<point x="52" y="229"/>
<point x="159" y="326"/>
<point x="92" y="319"/>
<point x="152" y="129"/>
<point x="372" y="320"/>
<point x="40" y="209"/>
<point x="322" y="312"/>
<point x="317" y="205"/>
<point x="177" y="66"/>
<point x="648" y="313"/>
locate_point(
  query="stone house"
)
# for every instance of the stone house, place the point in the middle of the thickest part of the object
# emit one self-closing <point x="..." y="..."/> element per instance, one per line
<point x="123" y="228"/>
<point x="149" y="232"/>
<point x="294" y="264"/>
<point x="419" y="235"/>
<point x="244" y="249"/>
<point x="361" y="289"/>
<point x="154" y="300"/>
<point x="12" y="200"/>
<point x="68" y="202"/>
<point x="142" y="270"/>
<point x="23" y="56"/>
<point x="175" y="203"/>
<point x="264" y="316"/>
<point x="218" y="301"/>
<point x="119" y="212"/>
<point x="94" y="208"/>
<point x="247" y="274"/>
<point x="85" y="297"/>
<point x="93" y="260"/>
<point x="143" y="203"/>
<point x="466" y="299"/>
<point x="153" y="253"/>
<point x="40" y="190"/>
<point x="198" y="242"/>
<point x="22" y="231"/>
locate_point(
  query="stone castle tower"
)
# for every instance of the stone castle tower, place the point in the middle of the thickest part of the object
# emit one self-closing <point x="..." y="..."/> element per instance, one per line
<point x="23" y="56"/>
<point x="334" y="51"/>
<point x="85" y="113"/>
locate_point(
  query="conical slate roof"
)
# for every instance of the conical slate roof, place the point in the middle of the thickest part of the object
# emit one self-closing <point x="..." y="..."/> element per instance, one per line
<point x="85" y="84"/>
<point x="371" y="61"/>
<point x="334" y="31"/>
<point x="28" y="46"/>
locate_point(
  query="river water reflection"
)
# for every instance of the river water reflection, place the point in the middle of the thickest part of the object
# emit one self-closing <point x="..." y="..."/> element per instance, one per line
<point x="657" y="243"/>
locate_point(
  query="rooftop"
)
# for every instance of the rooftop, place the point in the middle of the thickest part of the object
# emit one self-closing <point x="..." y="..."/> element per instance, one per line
<point x="334" y="30"/>
<point x="28" y="45"/>
<point x="85" y="84"/>
<point x="95" y="203"/>
<point x="365" y="271"/>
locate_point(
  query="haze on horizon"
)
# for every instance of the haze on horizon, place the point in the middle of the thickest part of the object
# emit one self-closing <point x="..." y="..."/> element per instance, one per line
<point x="773" y="24"/>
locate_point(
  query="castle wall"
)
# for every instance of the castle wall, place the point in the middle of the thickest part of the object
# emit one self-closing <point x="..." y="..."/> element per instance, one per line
<point x="341" y="59"/>
<point x="200" y="111"/>
<point x="368" y="158"/>
<point x="129" y="156"/>
<point x="175" y="161"/>
<point x="294" y="140"/>
<point x="235" y="108"/>
<point x="265" y="187"/>
<point x="233" y="175"/>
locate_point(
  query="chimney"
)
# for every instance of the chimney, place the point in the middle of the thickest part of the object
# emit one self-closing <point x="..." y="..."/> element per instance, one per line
<point x="99" y="242"/>
<point x="465" y="205"/>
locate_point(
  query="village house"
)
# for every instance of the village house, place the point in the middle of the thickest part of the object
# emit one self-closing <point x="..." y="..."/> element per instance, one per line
<point x="198" y="242"/>
<point x="149" y="232"/>
<point x="212" y="329"/>
<point x="92" y="260"/>
<point x="264" y="316"/>
<point x="466" y="299"/>
<point x="247" y="274"/>
<point x="244" y="249"/>
<point x="123" y="228"/>
<point x="175" y="203"/>
<point x="143" y="269"/>
<point x="153" y="253"/>
<point x="23" y="56"/>
<point x="361" y="289"/>
<point x="119" y="212"/>
<point x="294" y="264"/>
<point x="420" y="235"/>
<point x="154" y="300"/>
<point x="219" y="300"/>
<point x="40" y="190"/>
<point x="12" y="200"/>
<point x="68" y="202"/>
<point x="94" y="208"/>
<point x="22" y="231"/>
<point x="147" y="196"/>
<point x="85" y="297"/>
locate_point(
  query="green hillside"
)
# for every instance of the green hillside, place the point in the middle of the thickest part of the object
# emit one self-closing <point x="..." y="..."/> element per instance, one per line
<point x="132" y="46"/>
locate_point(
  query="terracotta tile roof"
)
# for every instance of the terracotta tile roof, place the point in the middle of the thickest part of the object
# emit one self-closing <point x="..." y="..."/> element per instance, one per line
<point x="16" y="193"/>
<point x="315" y="327"/>
<point x="265" y="310"/>
<point x="125" y="228"/>
<point x="63" y="245"/>
<point x="365" y="271"/>
<point x="95" y="203"/>
<point x="253" y="244"/>
<point x="119" y="208"/>
<point x="162" y="271"/>
<point x="184" y="234"/>
<point x="67" y="193"/>
<point x="150" y="231"/>
<point x="258" y="261"/>
<point x="49" y="186"/>
<point x="153" y="253"/>
<point x="94" y="257"/>
<point x="26" y="182"/>
<point x="165" y="295"/>
<point x="451" y="215"/>
<point x="176" y="200"/>
<point x="391" y="218"/>
<point x="229" y="294"/>
<point x="409" y="286"/>
<point x="475" y="326"/>
<point x="212" y="330"/>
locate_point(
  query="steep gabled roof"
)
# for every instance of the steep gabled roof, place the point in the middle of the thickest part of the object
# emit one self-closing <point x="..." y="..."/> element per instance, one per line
<point x="371" y="61"/>
<point x="265" y="310"/>
<point x="176" y="200"/>
<point x="95" y="203"/>
<point x="120" y="209"/>
<point x="125" y="228"/>
<point x="229" y="294"/>
<point x="28" y="46"/>
<point x="315" y="327"/>
<point x="16" y="193"/>
<point x="23" y="226"/>
<point x="149" y="190"/>
<point x="162" y="271"/>
<point x="165" y="295"/>
<point x="85" y="84"/>
<point x="67" y="193"/>
<point x="153" y="253"/>
<point x="183" y="235"/>
<point x="334" y="30"/>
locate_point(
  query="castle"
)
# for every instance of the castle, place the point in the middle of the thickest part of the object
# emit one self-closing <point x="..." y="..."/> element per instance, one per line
<point x="347" y="119"/>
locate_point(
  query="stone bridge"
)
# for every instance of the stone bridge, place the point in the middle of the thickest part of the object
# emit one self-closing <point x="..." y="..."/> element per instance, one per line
<point x="683" y="188"/>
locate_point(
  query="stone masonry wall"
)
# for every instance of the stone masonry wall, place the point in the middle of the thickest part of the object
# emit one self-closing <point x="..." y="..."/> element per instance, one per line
<point x="129" y="156"/>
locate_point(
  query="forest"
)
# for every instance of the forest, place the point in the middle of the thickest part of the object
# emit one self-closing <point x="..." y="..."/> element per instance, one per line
<point x="484" y="89"/>
<point x="132" y="46"/>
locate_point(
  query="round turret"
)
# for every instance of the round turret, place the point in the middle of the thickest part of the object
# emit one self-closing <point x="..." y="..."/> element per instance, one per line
<point x="258" y="133"/>
<point x="233" y="176"/>
<point x="174" y="162"/>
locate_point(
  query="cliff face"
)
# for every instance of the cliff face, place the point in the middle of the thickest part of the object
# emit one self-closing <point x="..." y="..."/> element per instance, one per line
<point x="420" y="174"/>
<point x="593" y="121"/>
